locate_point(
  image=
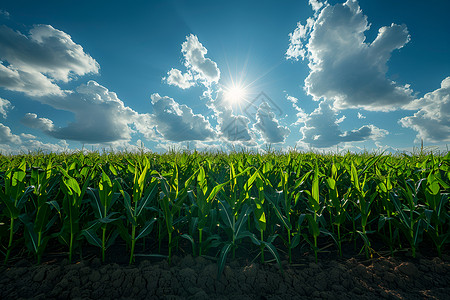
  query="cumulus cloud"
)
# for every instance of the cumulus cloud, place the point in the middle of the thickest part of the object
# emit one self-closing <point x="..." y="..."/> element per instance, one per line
<point x="29" y="82"/>
<point x="233" y="128"/>
<point x="43" y="124"/>
<point x="296" y="47"/>
<point x="204" y="68"/>
<point x="176" y="78"/>
<point x="31" y="64"/>
<point x="268" y="125"/>
<point x="7" y="137"/>
<point x="321" y="129"/>
<point x="344" y="67"/>
<point x="100" y="116"/>
<point x="5" y="105"/>
<point x="177" y="122"/>
<point x="301" y="115"/>
<point x="36" y="145"/>
<point x="316" y="5"/>
<point x="28" y="136"/>
<point x="199" y="68"/>
<point x="431" y="121"/>
<point x="340" y="120"/>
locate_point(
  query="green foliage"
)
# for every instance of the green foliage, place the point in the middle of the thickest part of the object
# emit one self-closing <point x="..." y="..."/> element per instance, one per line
<point x="222" y="202"/>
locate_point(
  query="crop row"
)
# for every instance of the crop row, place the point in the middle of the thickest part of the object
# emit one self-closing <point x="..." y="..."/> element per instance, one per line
<point x="215" y="201"/>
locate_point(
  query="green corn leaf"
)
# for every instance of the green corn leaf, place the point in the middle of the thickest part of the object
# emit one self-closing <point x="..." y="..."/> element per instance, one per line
<point x="364" y="238"/>
<point x="92" y="238"/>
<point x="222" y="259"/>
<point x="112" y="238"/>
<point x="283" y="219"/>
<point x="354" y="178"/>
<point x="96" y="203"/>
<point x="226" y="213"/>
<point x="11" y="211"/>
<point x="250" y="235"/>
<point x="129" y="208"/>
<point x="313" y="225"/>
<point x="295" y="241"/>
<point x="242" y="219"/>
<point x="24" y="197"/>
<point x="42" y="216"/>
<point x="73" y="185"/>
<point x="315" y="198"/>
<point x="215" y="191"/>
<point x="432" y="185"/>
<point x="274" y="253"/>
<point x="146" y="229"/>
<point x="147" y="199"/>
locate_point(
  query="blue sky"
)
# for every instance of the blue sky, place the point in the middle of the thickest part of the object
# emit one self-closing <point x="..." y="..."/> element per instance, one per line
<point x="309" y="75"/>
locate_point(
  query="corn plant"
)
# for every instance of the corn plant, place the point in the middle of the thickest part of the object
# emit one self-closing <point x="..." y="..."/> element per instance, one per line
<point x="259" y="213"/>
<point x="236" y="231"/>
<point x="102" y="199"/>
<point x="384" y="188"/>
<point x="171" y="199"/>
<point x="315" y="210"/>
<point x="145" y="188"/>
<point x="39" y="221"/>
<point x="337" y="206"/>
<point x="437" y="203"/>
<point x="411" y="216"/>
<point x="73" y="195"/>
<point x="203" y="200"/>
<point x="14" y="196"/>
<point x="362" y="200"/>
<point x="223" y="201"/>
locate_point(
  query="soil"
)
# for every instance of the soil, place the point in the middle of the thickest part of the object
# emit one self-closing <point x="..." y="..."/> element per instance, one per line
<point x="196" y="278"/>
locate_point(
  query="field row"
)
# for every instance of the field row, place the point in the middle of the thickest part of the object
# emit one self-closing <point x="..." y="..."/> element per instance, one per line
<point x="216" y="201"/>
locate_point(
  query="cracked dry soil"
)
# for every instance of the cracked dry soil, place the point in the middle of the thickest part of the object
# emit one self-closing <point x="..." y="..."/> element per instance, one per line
<point x="196" y="278"/>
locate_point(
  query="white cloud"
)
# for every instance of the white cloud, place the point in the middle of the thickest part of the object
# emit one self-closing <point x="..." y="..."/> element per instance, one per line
<point x="321" y="129"/>
<point x="292" y="99"/>
<point x="301" y="115"/>
<point x="432" y="121"/>
<point x="28" y="136"/>
<point x="36" y="61"/>
<point x="268" y="125"/>
<point x="360" y="116"/>
<point x="177" y="122"/>
<point x="344" y="67"/>
<point x="100" y="116"/>
<point x="7" y="137"/>
<point x="296" y="48"/>
<point x="199" y="68"/>
<point x="36" y="145"/>
<point x="11" y="143"/>
<point x="341" y="119"/>
<point x="5" y="105"/>
<point x="316" y="5"/>
<point x="30" y="82"/>
<point x="43" y="124"/>
<point x="176" y="78"/>
<point x="203" y="68"/>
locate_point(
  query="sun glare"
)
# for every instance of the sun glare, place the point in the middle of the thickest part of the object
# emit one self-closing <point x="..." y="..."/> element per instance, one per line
<point x="235" y="94"/>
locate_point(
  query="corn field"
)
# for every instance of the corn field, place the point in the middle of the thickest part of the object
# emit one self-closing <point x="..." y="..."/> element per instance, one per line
<point x="271" y="204"/>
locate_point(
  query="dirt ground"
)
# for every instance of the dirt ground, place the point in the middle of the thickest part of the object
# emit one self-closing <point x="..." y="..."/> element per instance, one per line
<point x="196" y="278"/>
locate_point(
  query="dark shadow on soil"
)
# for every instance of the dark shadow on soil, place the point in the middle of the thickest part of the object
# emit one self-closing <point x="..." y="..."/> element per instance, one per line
<point x="196" y="278"/>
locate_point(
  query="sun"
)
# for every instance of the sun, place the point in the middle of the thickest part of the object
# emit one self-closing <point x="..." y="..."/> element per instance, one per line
<point x="235" y="94"/>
